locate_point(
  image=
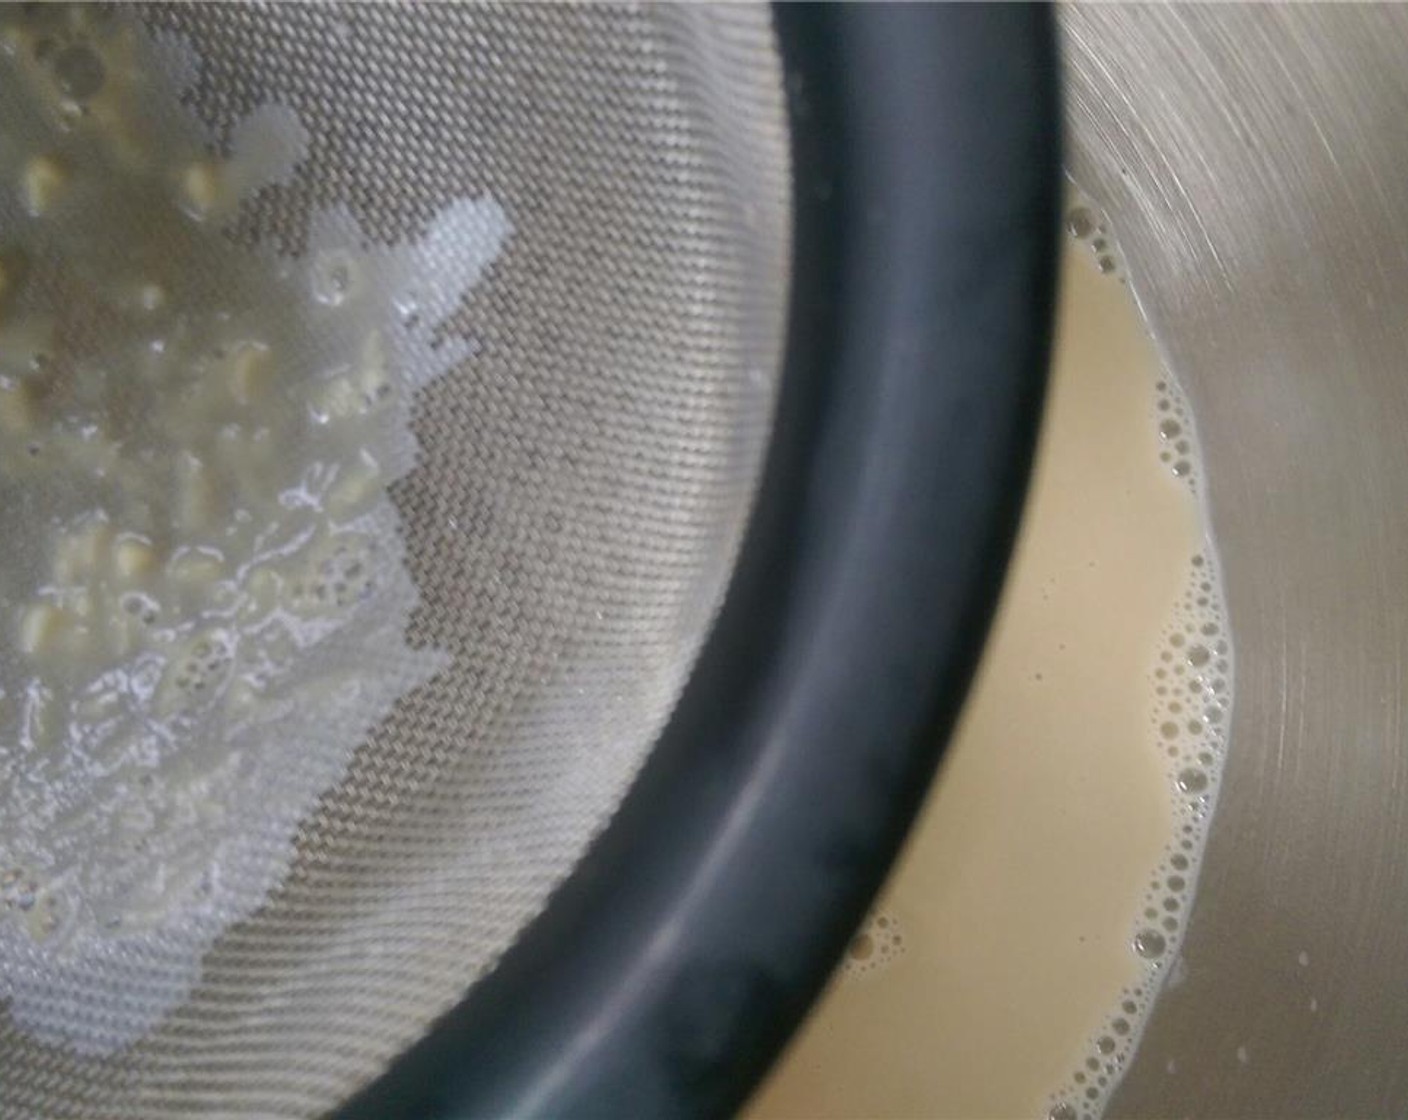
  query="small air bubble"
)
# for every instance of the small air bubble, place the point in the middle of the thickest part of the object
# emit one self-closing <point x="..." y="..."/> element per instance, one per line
<point x="332" y="278"/>
<point x="1105" y="264"/>
<point x="1150" y="944"/>
<point x="1080" y="223"/>
<point x="78" y="72"/>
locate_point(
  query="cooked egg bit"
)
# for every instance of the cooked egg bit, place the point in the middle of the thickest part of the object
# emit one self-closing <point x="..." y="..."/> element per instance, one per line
<point x="203" y="598"/>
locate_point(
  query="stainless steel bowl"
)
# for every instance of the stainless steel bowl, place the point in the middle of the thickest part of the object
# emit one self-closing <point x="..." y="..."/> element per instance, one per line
<point x="1254" y="161"/>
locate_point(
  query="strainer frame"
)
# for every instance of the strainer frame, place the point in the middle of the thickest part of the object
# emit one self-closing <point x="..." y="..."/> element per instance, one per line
<point x="669" y="969"/>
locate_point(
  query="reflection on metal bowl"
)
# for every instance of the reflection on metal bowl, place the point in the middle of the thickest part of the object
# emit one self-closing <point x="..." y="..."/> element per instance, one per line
<point x="1254" y="162"/>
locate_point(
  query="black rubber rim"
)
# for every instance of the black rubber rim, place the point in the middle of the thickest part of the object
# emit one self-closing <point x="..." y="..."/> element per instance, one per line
<point x="668" y="971"/>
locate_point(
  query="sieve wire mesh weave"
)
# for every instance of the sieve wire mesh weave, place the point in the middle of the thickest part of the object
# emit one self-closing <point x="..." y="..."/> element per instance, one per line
<point x="583" y="484"/>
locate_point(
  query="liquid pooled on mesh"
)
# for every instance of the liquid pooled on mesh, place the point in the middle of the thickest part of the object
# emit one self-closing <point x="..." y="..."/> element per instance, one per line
<point x="203" y="599"/>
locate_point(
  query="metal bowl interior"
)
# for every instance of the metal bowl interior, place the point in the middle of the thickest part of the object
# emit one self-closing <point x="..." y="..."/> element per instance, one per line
<point x="1252" y="160"/>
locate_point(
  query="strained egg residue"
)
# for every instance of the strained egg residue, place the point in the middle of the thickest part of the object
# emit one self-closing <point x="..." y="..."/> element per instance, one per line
<point x="203" y="597"/>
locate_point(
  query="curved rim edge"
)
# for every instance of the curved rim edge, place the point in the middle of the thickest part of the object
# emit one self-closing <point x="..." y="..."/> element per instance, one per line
<point x="667" y="972"/>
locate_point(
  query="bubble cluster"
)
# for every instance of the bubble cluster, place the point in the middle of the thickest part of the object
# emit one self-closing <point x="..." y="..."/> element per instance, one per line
<point x="203" y="666"/>
<point x="144" y="608"/>
<point x="1178" y="450"/>
<point x="877" y="944"/>
<point x="1087" y="225"/>
<point x="340" y="575"/>
<point x="1191" y="693"/>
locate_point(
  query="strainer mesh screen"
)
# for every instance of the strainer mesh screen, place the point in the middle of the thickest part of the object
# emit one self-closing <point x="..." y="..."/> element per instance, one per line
<point x="583" y="484"/>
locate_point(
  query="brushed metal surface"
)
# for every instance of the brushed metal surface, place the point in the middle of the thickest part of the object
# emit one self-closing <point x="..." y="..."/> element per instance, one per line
<point x="1255" y="163"/>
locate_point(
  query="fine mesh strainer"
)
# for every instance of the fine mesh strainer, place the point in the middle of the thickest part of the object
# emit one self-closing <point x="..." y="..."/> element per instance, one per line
<point x="690" y="249"/>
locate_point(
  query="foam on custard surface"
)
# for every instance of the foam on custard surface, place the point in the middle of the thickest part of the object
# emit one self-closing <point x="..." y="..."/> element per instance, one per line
<point x="203" y="600"/>
<point x="1040" y="903"/>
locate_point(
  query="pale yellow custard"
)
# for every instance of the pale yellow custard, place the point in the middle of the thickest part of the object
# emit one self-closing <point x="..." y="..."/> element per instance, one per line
<point x="1040" y="902"/>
